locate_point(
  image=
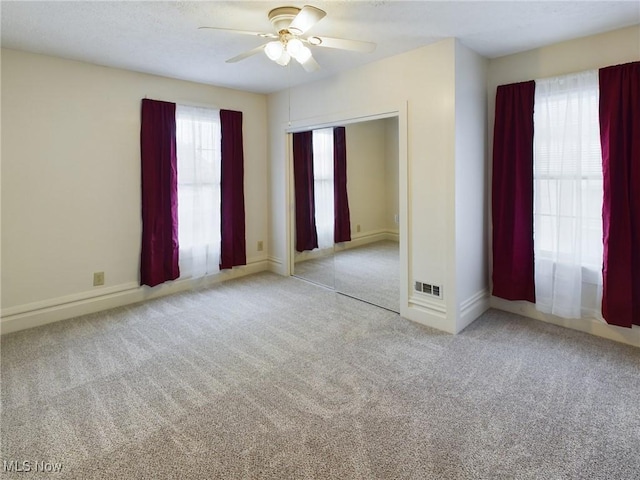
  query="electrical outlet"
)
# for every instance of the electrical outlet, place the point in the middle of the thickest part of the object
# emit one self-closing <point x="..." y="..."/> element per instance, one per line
<point x="260" y="245"/>
<point x="358" y="227"/>
<point x="98" y="279"/>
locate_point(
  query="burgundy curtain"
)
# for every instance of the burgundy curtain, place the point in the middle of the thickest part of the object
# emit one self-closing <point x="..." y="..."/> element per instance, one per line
<point x="233" y="248"/>
<point x="306" y="232"/>
<point x="159" y="253"/>
<point x="342" y="220"/>
<point x="620" y="142"/>
<point x="512" y="193"/>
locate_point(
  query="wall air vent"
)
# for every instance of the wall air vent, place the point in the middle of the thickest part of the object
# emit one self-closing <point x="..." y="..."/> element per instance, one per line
<point x="429" y="289"/>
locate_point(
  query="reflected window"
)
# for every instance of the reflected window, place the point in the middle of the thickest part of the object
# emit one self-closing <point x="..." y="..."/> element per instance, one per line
<point x="323" y="185"/>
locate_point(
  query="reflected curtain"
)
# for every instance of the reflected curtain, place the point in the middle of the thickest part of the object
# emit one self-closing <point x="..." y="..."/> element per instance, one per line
<point x="159" y="250"/>
<point x="306" y="233"/>
<point x="342" y="220"/>
<point x="620" y="143"/>
<point x="512" y="193"/>
<point x="233" y="251"/>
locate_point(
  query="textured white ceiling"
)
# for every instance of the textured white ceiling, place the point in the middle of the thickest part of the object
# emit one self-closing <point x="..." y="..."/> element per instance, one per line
<point x="163" y="38"/>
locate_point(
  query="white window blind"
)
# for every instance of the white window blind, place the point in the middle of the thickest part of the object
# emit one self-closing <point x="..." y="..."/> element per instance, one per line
<point x="199" y="157"/>
<point x="568" y="196"/>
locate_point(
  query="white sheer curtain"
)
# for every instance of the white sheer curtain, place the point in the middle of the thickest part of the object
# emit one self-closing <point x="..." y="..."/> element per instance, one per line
<point x="568" y="196"/>
<point x="323" y="185"/>
<point x="198" y="152"/>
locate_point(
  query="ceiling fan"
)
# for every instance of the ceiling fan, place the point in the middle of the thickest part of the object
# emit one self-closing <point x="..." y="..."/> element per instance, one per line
<point x="288" y="41"/>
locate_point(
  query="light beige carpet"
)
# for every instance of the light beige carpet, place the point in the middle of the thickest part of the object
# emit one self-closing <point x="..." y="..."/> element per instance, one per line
<point x="272" y="377"/>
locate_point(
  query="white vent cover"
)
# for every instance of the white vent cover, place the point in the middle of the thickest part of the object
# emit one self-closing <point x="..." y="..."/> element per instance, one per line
<point x="429" y="289"/>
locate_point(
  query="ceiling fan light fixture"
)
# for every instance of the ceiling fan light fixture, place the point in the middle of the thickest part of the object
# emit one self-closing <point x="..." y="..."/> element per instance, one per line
<point x="274" y="50"/>
<point x="295" y="31"/>
<point x="283" y="59"/>
<point x="294" y="47"/>
<point x="303" y="55"/>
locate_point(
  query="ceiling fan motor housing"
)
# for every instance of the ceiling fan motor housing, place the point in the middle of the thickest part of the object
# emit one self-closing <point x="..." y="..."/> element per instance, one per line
<point x="282" y="17"/>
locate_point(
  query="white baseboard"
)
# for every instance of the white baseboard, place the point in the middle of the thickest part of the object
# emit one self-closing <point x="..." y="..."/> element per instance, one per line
<point x="630" y="336"/>
<point x="276" y="265"/>
<point x="360" y="239"/>
<point x="433" y="313"/>
<point x="40" y="313"/>
<point x="393" y="236"/>
<point x="427" y="312"/>
<point x="313" y="254"/>
<point x="472" y="308"/>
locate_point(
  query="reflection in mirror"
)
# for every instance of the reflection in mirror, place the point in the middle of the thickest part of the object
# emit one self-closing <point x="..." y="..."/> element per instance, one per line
<point x="317" y="268"/>
<point x="371" y="273"/>
<point x="313" y="154"/>
<point x="364" y="261"/>
<point x="368" y="267"/>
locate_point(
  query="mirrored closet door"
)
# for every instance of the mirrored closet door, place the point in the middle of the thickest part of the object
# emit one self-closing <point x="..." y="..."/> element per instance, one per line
<point x="364" y="261"/>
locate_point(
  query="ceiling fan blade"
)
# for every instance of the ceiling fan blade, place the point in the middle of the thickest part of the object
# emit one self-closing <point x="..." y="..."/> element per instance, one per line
<point x="342" y="44"/>
<point x="244" y="55"/>
<point x="242" y="32"/>
<point x="306" y="19"/>
<point x="310" y="65"/>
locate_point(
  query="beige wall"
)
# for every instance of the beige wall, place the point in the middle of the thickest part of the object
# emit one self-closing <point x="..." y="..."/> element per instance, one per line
<point x="372" y="178"/>
<point x="71" y="175"/>
<point x="612" y="48"/>
<point x="365" y="176"/>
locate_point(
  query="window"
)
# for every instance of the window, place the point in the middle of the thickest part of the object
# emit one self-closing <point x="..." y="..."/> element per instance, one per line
<point x="567" y="195"/>
<point x="323" y="185"/>
<point x="199" y="159"/>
